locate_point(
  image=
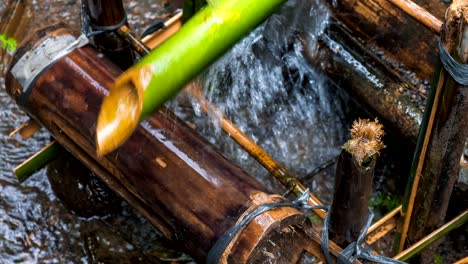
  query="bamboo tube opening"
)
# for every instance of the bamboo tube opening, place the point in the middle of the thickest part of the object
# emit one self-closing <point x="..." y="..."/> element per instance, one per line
<point x="121" y="109"/>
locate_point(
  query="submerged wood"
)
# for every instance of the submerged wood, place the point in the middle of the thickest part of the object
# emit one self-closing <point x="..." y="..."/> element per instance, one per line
<point x="176" y="179"/>
<point x="436" y="162"/>
<point x="353" y="182"/>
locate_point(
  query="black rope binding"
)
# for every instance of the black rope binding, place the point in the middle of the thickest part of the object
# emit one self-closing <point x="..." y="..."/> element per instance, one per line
<point x="347" y="256"/>
<point x="91" y="30"/>
<point x="458" y="71"/>
<point x="220" y="246"/>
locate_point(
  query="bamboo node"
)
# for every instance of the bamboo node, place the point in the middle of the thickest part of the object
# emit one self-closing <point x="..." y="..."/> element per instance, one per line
<point x="366" y="140"/>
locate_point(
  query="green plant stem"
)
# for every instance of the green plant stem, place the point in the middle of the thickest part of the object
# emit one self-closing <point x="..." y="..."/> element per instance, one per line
<point x="37" y="161"/>
<point x="202" y="40"/>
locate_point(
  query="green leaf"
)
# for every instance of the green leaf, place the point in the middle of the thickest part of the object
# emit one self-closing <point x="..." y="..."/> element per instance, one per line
<point x="3" y="40"/>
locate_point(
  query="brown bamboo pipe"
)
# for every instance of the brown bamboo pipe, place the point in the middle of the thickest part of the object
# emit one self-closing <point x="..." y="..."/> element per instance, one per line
<point x="166" y="171"/>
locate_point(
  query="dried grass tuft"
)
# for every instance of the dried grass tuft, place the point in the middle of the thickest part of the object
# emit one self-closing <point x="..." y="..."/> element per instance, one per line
<point x="366" y="140"/>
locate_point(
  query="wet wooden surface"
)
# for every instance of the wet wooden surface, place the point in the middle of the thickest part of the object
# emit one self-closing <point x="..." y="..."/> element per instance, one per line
<point x="169" y="173"/>
<point x="388" y="30"/>
<point x="349" y="210"/>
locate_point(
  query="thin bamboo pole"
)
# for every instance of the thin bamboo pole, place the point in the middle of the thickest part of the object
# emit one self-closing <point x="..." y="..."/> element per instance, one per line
<point x="27" y="129"/>
<point x="420" y="14"/>
<point x="255" y="151"/>
<point x="161" y="74"/>
<point x="386" y="218"/>
<point x="37" y="161"/>
<point x="432" y="237"/>
<point x="172" y="25"/>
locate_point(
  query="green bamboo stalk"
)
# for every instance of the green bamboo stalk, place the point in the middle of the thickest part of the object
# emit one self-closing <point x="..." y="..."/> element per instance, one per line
<point x="432" y="237"/>
<point x="37" y="161"/>
<point x="161" y="74"/>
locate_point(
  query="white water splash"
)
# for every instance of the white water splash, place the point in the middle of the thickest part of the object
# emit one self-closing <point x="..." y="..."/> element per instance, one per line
<point x="265" y="86"/>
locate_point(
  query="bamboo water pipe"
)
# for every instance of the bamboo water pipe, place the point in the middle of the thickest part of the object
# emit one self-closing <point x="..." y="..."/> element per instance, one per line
<point x="158" y="76"/>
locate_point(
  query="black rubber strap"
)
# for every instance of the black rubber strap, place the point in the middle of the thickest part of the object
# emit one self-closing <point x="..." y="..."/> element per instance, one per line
<point x="153" y="28"/>
<point x="91" y="30"/>
<point x="354" y="251"/>
<point x="103" y="29"/>
<point x="458" y="71"/>
<point x="220" y="246"/>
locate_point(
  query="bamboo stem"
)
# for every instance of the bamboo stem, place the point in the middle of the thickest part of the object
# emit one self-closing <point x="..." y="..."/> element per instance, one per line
<point x="440" y="232"/>
<point x="126" y="33"/>
<point x="256" y="151"/>
<point x="413" y="181"/>
<point x="381" y="232"/>
<point x="420" y="14"/>
<point x="104" y="16"/>
<point x="27" y="129"/>
<point x="172" y="25"/>
<point x="37" y="161"/>
<point x="385" y="219"/>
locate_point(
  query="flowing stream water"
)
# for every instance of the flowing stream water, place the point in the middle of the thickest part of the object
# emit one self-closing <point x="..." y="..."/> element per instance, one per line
<point x="263" y="84"/>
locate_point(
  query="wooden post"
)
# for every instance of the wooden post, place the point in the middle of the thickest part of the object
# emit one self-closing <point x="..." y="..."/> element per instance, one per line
<point x="443" y="132"/>
<point x="176" y="179"/>
<point x="353" y="181"/>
